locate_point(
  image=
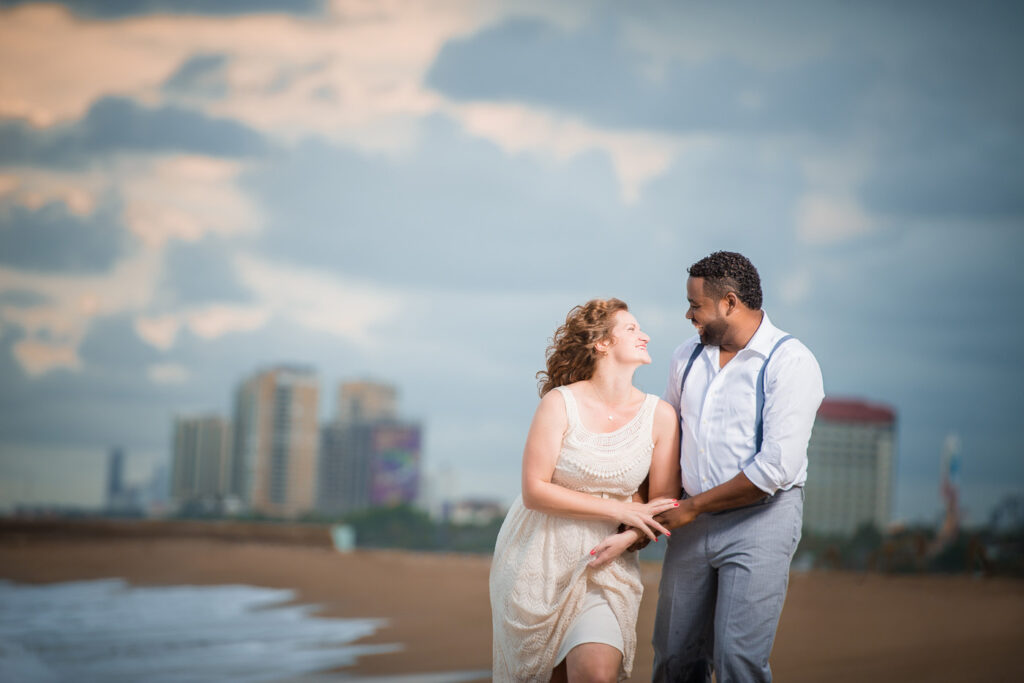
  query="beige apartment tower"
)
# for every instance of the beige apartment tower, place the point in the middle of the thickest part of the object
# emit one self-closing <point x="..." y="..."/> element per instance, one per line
<point x="365" y="401"/>
<point x="276" y="441"/>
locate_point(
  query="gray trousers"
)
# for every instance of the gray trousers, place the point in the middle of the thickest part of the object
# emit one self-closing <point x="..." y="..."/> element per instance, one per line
<point x="722" y="587"/>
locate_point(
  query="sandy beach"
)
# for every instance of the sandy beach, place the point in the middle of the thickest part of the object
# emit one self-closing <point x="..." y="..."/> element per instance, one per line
<point x="835" y="627"/>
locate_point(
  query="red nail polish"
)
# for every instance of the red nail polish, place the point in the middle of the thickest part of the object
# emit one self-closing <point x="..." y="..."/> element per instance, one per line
<point x="668" y="533"/>
<point x="591" y="552"/>
<point x="676" y="505"/>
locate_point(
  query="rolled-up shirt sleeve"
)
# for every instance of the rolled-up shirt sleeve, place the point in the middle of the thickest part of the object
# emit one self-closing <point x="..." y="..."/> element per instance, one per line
<point x="793" y="392"/>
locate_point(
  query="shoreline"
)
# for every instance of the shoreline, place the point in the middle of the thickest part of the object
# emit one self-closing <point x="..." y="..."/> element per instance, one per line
<point x="836" y="626"/>
<point x="389" y="585"/>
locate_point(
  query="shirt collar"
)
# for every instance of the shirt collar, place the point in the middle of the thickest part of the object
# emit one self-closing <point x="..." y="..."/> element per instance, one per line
<point x="764" y="338"/>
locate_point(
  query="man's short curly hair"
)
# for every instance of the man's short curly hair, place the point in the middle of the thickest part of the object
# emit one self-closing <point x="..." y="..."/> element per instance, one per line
<point x="727" y="271"/>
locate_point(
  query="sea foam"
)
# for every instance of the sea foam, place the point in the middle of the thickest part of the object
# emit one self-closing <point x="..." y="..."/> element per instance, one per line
<point x="110" y="631"/>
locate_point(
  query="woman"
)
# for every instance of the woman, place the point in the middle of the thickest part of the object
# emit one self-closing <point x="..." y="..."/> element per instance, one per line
<point x="564" y="596"/>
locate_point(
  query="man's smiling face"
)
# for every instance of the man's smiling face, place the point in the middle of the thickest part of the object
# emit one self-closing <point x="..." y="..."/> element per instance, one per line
<point x="706" y="313"/>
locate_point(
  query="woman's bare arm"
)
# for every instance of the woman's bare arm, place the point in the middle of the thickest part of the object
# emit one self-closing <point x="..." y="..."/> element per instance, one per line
<point x="543" y="444"/>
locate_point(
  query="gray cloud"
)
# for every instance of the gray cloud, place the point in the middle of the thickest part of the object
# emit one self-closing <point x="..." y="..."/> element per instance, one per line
<point x="118" y="124"/>
<point x="933" y="93"/>
<point x="200" y="272"/>
<point x="50" y="238"/>
<point x="592" y="73"/>
<point x="976" y="174"/>
<point x="108" y="402"/>
<point x="200" y="75"/>
<point x="840" y="59"/>
<point x="947" y="114"/>
<point x="456" y="212"/>
<point x="21" y="298"/>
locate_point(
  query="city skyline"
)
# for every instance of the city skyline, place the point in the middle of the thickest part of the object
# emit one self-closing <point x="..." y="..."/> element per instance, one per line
<point x="368" y="400"/>
<point x="278" y="456"/>
<point x="420" y="194"/>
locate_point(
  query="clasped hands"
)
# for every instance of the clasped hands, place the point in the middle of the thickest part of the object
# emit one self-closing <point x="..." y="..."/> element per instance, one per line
<point x="656" y="517"/>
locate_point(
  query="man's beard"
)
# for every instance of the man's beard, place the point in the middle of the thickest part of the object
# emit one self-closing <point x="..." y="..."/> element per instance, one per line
<point x="714" y="333"/>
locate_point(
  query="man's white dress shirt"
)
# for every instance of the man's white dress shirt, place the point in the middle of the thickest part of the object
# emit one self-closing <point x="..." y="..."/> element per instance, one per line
<point x="718" y="412"/>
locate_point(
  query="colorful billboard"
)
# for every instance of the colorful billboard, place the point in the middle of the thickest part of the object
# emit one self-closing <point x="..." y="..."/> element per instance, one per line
<point x="395" y="465"/>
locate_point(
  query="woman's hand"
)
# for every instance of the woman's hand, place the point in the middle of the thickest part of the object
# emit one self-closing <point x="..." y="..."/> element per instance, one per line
<point x="640" y="516"/>
<point x="612" y="546"/>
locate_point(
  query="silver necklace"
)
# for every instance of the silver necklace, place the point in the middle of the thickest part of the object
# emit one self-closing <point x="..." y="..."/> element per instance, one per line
<point x="605" y="402"/>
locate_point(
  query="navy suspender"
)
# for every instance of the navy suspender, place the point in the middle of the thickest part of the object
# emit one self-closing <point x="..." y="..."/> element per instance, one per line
<point x="759" y="424"/>
<point x="689" y="364"/>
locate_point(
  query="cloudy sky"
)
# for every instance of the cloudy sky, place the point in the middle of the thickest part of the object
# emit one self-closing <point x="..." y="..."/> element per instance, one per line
<point x="418" y="193"/>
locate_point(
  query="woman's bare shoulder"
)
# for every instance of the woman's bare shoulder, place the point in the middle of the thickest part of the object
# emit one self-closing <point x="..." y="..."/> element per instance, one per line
<point x="664" y="412"/>
<point x="552" y="401"/>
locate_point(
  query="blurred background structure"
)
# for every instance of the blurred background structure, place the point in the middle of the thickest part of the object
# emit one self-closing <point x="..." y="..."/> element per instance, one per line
<point x="275" y="446"/>
<point x="202" y="462"/>
<point x="369" y="457"/>
<point x="853" y="451"/>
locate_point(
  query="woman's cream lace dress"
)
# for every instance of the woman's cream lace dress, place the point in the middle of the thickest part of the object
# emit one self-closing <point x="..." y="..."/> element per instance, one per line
<point x="539" y="576"/>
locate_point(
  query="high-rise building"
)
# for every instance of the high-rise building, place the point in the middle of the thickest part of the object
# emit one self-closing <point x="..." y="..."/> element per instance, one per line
<point x="115" y="478"/>
<point x="368" y="456"/>
<point x="276" y="441"/>
<point x="346" y="456"/>
<point x="122" y="498"/>
<point x="851" y="461"/>
<point x="366" y="402"/>
<point x="202" y="460"/>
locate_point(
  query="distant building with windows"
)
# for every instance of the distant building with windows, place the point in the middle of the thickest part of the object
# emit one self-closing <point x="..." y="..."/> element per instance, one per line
<point x="851" y="463"/>
<point x="201" y="462"/>
<point x="121" y="498"/>
<point x="276" y="440"/>
<point x="365" y="401"/>
<point x="115" y="478"/>
<point x="369" y="457"/>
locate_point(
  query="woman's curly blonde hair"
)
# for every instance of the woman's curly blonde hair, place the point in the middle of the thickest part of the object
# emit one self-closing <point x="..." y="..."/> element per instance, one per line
<point x="571" y="355"/>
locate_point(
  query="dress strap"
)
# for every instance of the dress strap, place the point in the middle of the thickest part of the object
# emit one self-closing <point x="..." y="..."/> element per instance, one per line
<point x="650" y="407"/>
<point x="572" y="413"/>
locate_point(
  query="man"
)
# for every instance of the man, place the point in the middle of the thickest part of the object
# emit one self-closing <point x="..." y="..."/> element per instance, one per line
<point x="747" y="394"/>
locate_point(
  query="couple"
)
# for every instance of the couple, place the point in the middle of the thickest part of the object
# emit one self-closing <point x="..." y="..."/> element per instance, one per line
<point x="717" y="466"/>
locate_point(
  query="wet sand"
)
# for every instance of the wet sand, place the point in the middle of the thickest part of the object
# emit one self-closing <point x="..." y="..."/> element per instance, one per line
<point x="836" y="626"/>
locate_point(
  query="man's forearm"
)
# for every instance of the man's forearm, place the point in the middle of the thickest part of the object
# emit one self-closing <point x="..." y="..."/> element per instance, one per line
<point x="736" y="492"/>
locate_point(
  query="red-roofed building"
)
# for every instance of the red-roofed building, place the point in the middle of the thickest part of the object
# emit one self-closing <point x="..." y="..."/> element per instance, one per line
<point x="846" y="410"/>
<point x="851" y="461"/>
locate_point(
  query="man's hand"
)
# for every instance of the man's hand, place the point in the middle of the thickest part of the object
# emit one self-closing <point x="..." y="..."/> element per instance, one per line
<point x="678" y="516"/>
